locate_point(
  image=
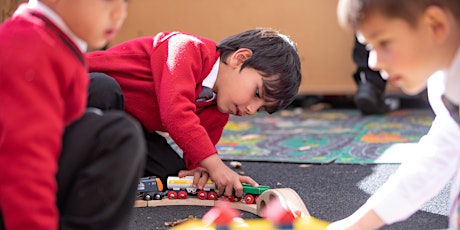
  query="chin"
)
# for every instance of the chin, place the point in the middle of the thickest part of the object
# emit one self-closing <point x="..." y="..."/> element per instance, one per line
<point x="101" y="43"/>
<point x="220" y="109"/>
<point x="413" y="90"/>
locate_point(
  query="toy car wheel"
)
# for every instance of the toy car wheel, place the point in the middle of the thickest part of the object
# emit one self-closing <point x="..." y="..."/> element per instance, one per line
<point x="147" y="197"/>
<point x="249" y="199"/>
<point x="158" y="196"/>
<point x="182" y="195"/>
<point x="172" y="195"/>
<point x="202" y="195"/>
<point x="212" y="196"/>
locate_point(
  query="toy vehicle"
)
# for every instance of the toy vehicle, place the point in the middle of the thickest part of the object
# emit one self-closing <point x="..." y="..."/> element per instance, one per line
<point x="181" y="187"/>
<point x="250" y="194"/>
<point x="150" y="188"/>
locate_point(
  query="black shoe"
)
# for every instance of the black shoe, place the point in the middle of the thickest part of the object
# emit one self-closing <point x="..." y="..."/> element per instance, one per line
<point x="370" y="100"/>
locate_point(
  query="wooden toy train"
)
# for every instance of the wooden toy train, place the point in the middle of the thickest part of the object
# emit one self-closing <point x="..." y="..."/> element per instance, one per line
<point x="151" y="188"/>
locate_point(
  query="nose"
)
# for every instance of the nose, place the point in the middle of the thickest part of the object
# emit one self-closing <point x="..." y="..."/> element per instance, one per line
<point x="254" y="107"/>
<point x="374" y="61"/>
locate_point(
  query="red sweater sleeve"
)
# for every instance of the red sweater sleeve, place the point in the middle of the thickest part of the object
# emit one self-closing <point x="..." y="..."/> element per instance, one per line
<point x="214" y="122"/>
<point x="178" y="63"/>
<point x="37" y="98"/>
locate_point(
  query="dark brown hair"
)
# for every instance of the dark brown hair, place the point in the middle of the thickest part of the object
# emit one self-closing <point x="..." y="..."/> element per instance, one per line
<point x="275" y="56"/>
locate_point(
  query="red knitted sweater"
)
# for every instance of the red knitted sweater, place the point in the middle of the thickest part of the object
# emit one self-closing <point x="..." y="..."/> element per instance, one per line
<point x="161" y="78"/>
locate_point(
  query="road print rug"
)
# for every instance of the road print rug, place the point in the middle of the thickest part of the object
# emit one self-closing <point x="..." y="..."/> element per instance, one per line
<point x="340" y="136"/>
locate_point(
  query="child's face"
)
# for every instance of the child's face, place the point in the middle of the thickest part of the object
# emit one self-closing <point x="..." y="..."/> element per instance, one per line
<point x="240" y="92"/>
<point x="94" y="21"/>
<point x="404" y="53"/>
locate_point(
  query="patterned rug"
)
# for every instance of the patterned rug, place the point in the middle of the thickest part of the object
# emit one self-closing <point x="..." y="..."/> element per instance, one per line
<point x="340" y="136"/>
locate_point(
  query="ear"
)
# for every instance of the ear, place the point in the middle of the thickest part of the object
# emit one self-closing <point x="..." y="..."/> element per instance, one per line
<point x="437" y="20"/>
<point x="240" y="56"/>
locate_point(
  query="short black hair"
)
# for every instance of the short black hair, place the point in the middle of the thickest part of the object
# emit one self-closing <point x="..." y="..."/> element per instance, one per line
<point x="275" y="56"/>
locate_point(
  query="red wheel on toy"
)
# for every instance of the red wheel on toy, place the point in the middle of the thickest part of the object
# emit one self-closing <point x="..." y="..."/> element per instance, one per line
<point x="182" y="195"/>
<point x="202" y="195"/>
<point x="249" y="199"/>
<point x="212" y="196"/>
<point x="172" y="195"/>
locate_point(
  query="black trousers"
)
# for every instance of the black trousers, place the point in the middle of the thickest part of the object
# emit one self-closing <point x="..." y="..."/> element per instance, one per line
<point x="360" y="58"/>
<point x="102" y="159"/>
<point x="162" y="160"/>
<point x="103" y="156"/>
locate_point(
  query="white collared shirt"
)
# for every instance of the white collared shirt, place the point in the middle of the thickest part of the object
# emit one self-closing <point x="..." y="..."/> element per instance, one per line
<point x="210" y="80"/>
<point x="57" y="20"/>
<point x="437" y="157"/>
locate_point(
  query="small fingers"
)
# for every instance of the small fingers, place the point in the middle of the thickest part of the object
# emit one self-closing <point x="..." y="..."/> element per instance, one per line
<point x="184" y="173"/>
<point x="204" y="180"/>
<point x="249" y="180"/>
<point x="228" y="190"/>
<point x="196" y="179"/>
<point x="238" y="188"/>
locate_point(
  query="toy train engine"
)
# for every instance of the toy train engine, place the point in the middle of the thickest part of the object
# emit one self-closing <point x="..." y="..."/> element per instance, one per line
<point x="180" y="187"/>
<point x="150" y="188"/>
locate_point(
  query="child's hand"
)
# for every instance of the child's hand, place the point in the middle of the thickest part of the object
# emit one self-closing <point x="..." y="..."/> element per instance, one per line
<point x="200" y="176"/>
<point x="225" y="178"/>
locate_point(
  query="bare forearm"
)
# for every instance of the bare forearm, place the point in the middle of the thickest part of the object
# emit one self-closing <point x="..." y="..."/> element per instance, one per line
<point x="362" y="219"/>
<point x="212" y="163"/>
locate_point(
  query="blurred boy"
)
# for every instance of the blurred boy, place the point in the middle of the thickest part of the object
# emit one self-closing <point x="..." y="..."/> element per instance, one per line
<point x="62" y="167"/>
<point x="409" y="41"/>
<point x="188" y="85"/>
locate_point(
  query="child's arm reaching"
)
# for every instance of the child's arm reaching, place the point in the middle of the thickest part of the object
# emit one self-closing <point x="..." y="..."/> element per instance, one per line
<point x="363" y="218"/>
<point x="226" y="179"/>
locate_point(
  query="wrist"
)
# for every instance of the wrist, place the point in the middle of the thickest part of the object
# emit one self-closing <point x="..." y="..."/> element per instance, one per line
<point x="212" y="162"/>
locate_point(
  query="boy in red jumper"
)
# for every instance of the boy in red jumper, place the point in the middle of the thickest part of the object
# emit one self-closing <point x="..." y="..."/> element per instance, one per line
<point x="164" y="80"/>
<point x="62" y="167"/>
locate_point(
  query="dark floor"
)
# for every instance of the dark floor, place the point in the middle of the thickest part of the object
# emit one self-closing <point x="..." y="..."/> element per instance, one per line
<point x="330" y="192"/>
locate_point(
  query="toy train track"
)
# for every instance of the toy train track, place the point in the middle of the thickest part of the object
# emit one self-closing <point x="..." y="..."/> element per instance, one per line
<point x="180" y="192"/>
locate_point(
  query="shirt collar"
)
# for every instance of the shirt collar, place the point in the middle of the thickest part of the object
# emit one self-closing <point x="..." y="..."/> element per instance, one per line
<point x="453" y="80"/>
<point x="57" y="20"/>
<point x="210" y="80"/>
